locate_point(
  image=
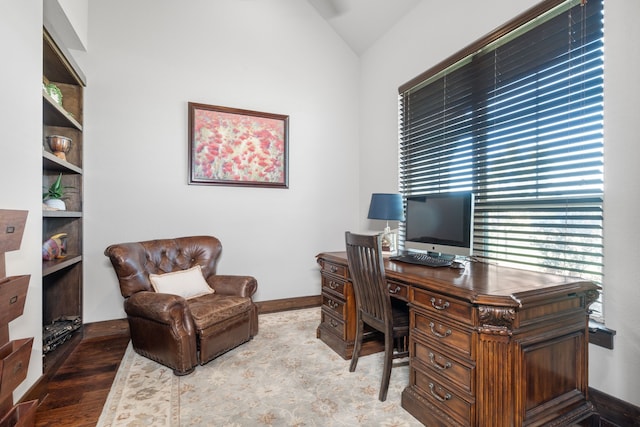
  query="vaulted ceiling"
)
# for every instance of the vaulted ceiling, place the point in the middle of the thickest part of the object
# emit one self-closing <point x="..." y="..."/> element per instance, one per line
<point x="361" y="22"/>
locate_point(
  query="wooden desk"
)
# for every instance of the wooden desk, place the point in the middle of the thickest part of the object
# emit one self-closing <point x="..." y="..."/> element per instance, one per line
<point x="489" y="345"/>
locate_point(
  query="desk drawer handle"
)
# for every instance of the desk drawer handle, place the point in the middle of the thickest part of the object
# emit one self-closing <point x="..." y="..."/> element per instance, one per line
<point x="444" y="398"/>
<point x="394" y="291"/>
<point x="333" y="323"/>
<point x="437" y="365"/>
<point x="331" y="303"/>
<point x="333" y="285"/>
<point x="441" y="305"/>
<point x="438" y="334"/>
<point x="333" y="269"/>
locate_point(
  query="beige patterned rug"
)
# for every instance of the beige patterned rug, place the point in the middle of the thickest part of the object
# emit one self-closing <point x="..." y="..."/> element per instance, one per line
<point x="285" y="376"/>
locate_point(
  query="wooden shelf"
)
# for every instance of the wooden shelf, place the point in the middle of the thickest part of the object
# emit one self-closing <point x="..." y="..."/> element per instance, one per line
<point x="61" y="214"/>
<point x="56" y="358"/>
<point x="53" y="163"/>
<point x="55" y="115"/>
<point x="50" y="267"/>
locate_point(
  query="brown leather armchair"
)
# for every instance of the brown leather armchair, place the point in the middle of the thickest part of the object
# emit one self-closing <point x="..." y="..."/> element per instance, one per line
<point x="172" y="330"/>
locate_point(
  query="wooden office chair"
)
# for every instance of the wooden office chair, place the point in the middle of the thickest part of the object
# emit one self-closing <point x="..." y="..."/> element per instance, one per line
<point x="374" y="306"/>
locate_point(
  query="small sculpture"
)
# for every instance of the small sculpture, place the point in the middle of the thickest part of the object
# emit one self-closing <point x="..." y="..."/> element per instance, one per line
<point x="55" y="247"/>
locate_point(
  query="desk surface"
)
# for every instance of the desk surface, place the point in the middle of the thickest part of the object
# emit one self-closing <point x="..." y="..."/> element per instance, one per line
<point x="481" y="283"/>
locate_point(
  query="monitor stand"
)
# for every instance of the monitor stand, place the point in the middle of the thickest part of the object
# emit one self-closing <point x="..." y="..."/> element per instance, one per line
<point x="441" y="255"/>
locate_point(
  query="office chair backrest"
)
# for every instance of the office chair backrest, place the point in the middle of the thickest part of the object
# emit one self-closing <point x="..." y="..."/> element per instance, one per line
<point x="366" y="268"/>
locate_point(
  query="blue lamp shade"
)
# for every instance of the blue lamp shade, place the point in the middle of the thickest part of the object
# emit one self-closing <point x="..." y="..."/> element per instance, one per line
<point x="386" y="206"/>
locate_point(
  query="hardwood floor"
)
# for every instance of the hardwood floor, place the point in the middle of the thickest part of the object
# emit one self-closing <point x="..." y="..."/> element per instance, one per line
<point x="79" y="388"/>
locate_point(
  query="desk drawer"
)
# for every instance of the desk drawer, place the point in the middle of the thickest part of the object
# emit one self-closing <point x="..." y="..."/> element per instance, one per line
<point x="445" y="398"/>
<point x="398" y="290"/>
<point x="333" y="304"/>
<point x="335" y="269"/>
<point x="333" y="324"/>
<point x="444" y="305"/>
<point x="332" y="285"/>
<point x="442" y="364"/>
<point x="442" y="333"/>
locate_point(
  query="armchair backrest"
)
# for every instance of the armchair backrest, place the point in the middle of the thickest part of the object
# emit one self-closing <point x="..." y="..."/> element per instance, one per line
<point x="134" y="261"/>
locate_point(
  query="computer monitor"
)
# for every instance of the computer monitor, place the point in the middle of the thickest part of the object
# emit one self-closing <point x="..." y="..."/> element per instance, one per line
<point x="441" y="224"/>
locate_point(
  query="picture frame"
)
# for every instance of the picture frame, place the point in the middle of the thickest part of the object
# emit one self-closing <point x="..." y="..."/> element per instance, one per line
<point x="232" y="146"/>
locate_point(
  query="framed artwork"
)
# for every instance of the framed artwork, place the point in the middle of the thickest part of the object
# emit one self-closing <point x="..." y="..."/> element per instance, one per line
<point x="230" y="146"/>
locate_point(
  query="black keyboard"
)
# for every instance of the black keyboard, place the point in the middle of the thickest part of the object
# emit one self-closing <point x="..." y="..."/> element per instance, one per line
<point x="423" y="259"/>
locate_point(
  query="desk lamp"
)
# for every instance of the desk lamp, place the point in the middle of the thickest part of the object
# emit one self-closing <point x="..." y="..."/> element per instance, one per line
<point x="387" y="206"/>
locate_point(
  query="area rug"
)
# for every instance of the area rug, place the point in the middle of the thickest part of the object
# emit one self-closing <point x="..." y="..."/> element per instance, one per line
<point x="285" y="376"/>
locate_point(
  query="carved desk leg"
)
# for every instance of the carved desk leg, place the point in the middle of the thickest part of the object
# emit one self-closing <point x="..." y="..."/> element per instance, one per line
<point x="495" y="367"/>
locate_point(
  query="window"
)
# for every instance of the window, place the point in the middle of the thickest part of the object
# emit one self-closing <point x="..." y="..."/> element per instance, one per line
<point x="518" y="119"/>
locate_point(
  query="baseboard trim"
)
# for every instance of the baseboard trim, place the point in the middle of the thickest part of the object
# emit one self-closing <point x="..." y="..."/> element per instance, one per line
<point x="613" y="411"/>
<point x="287" y="304"/>
<point x="106" y="328"/>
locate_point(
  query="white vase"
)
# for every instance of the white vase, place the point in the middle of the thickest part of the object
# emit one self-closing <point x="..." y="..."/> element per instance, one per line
<point x="56" y="204"/>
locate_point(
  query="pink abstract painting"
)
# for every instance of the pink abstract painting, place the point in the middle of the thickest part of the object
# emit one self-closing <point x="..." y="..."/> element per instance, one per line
<point x="237" y="147"/>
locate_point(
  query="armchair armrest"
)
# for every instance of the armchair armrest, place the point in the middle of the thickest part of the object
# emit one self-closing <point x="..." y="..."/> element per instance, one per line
<point x="162" y="329"/>
<point x="244" y="286"/>
<point x="167" y="309"/>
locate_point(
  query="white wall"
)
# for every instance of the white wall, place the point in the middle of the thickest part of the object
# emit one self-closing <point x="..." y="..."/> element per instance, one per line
<point x="143" y="66"/>
<point x="21" y="159"/>
<point x="433" y="29"/>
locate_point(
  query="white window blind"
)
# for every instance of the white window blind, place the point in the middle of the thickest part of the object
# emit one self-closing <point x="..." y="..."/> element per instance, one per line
<point x="517" y="118"/>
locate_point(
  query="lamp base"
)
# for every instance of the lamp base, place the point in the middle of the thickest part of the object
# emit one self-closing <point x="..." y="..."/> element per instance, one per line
<point x="389" y="241"/>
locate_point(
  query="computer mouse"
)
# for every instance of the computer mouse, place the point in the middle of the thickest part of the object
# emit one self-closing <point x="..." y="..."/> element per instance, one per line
<point x="458" y="265"/>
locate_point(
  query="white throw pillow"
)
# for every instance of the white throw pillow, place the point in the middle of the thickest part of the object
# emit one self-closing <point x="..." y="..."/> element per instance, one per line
<point x="185" y="283"/>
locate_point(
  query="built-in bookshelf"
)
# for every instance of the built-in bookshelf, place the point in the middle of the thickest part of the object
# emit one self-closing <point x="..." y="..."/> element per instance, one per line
<point x="62" y="110"/>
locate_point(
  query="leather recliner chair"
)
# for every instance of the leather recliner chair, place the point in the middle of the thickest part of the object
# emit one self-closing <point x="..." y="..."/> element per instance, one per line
<point x="170" y="329"/>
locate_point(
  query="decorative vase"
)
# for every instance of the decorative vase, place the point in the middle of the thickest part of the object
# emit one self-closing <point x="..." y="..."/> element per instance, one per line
<point x="56" y="204"/>
<point x="60" y="145"/>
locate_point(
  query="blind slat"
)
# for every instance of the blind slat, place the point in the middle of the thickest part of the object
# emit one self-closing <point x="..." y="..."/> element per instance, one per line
<point x="520" y="123"/>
